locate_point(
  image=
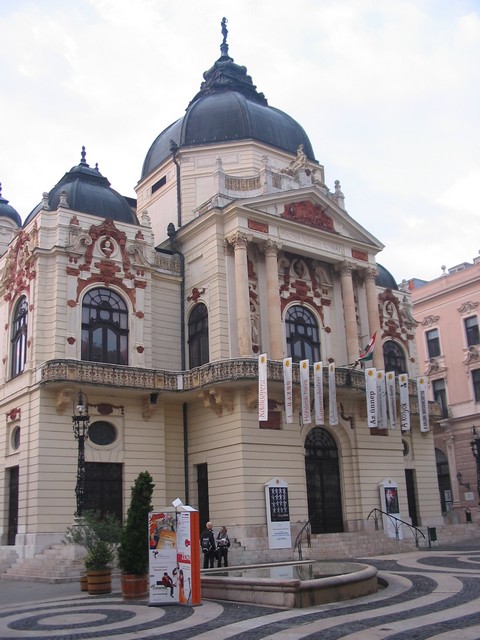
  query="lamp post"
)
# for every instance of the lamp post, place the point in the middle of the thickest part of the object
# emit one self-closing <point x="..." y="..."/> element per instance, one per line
<point x="81" y="423"/>
<point x="475" y="444"/>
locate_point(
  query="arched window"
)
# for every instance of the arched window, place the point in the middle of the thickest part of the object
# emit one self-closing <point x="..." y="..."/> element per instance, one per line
<point x="198" y="349"/>
<point x="104" y="327"/>
<point x="19" y="337"/>
<point x="302" y="334"/>
<point x="394" y="357"/>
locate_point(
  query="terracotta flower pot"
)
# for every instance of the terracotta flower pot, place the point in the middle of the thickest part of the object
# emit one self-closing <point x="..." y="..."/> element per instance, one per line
<point x="134" y="586"/>
<point x="83" y="583"/>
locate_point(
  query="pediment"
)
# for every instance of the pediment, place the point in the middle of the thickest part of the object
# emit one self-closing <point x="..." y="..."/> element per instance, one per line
<point x="312" y="211"/>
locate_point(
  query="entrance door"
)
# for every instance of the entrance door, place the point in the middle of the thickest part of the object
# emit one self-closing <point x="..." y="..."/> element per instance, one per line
<point x="103" y="488"/>
<point x="12" y="504"/>
<point x="202" y="490"/>
<point x="411" y="498"/>
<point x="323" y="482"/>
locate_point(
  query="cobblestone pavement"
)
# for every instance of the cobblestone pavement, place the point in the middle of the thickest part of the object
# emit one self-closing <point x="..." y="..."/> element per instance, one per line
<point x="429" y="594"/>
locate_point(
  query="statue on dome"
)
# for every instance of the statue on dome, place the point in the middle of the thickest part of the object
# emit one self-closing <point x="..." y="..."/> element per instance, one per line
<point x="224" y="30"/>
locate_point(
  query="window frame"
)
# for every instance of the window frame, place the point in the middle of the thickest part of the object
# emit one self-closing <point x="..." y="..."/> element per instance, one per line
<point x="433" y="343"/>
<point x="101" y="334"/>
<point x="476" y="384"/>
<point x="198" y="338"/>
<point x="400" y="357"/>
<point x="474" y="329"/>
<point x="314" y="348"/>
<point x="440" y="395"/>
<point x="19" y="337"/>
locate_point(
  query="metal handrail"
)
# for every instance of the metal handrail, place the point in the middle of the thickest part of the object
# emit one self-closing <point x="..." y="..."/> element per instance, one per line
<point x="396" y="523"/>
<point x="307" y="530"/>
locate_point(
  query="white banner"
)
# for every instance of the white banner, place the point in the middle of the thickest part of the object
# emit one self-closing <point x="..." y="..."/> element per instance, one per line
<point x="404" y="402"/>
<point x="332" y="395"/>
<point x="262" y="388"/>
<point x="381" y="400"/>
<point x="392" y="406"/>
<point x="305" y="391"/>
<point x="288" y="389"/>
<point x="318" y="392"/>
<point x="423" y="403"/>
<point x="371" y="397"/>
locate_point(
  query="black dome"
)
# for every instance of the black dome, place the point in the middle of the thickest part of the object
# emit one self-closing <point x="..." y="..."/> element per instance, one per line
<point x="385" y="279"/>
<point x="7" y="211"/>
<point x="228" y="107"/>
<point x="87" y="191"/>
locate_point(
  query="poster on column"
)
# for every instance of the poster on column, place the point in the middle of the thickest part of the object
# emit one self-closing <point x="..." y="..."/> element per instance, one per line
<point x="163" y="557"/>
<point x="389" y="499"/>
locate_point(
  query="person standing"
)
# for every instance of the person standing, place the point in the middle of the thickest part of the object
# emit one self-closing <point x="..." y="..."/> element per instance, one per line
<point x="207" y="542"/>
<point x="223" y="544"/>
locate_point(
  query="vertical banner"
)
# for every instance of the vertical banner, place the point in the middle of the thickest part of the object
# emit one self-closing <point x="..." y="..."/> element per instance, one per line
<point x="423" y="403"/>
<point x="371" y="397"/>
<point x="332" y="395"/>
<point x="305" y="391"/>
<point x="262" y="388"/>
<point x="288" y="389"/>
<point x="318" y="393"/>
<point x="381" y="400"/>
<point x="392" y="407"/>
<point x="404" y="402"/>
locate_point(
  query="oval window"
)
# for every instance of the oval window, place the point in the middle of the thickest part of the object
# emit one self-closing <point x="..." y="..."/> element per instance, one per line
<point x="102" y="433"/>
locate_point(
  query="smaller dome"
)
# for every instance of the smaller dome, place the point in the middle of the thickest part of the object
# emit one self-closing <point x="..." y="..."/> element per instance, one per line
<point x="385" y="279"/>
<point x="87" y="191"/>
<point x="7" y="211"/>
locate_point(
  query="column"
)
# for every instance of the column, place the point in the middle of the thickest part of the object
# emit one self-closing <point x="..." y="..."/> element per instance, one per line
<point x="373" y="316"/>
<point x="244" y="330"/>
<point x="273" y="302"/>
<point x="349" y="311"/>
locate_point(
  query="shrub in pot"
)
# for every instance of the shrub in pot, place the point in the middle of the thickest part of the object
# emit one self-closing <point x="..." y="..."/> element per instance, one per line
<point x="99" y="535"/>
<point x="133" y="549"/>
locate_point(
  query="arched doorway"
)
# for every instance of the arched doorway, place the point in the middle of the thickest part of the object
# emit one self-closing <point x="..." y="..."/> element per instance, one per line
<point x="323" y="482"/>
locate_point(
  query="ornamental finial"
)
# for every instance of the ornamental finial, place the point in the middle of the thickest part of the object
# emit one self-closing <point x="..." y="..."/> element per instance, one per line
<point x="224" y="45"/>
<point x="84" y="155"/>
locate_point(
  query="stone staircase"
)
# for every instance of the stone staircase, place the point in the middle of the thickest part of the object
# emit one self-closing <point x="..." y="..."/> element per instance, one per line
<point x="55" y="564"/>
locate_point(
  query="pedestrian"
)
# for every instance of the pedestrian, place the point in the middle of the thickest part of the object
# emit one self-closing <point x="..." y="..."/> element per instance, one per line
<point x="223" y="544"/>
<point x="207" y="542"/>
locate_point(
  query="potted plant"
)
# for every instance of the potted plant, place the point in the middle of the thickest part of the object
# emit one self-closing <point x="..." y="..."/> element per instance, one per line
<point x="99" y="535"/>
<point x="133" y="548"/>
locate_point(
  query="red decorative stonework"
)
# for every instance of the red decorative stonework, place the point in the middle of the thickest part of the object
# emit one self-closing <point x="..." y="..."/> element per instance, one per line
<point x="140" y="315"/>
<point x="19" y="266"/>
<point x="74" y="220"/>
<point x="139" y="236"/>
<point x="359" y="255"/>
<point x="195" y="295"/>
<point x="313" y="215"/>
<point x="13" y="414"/>
<point x="71" y="340"/>
<point x="71" y="303"/>
<point x="105" y="408"/>
<point x="258" y="226"/>
<point x="140" y="349"/>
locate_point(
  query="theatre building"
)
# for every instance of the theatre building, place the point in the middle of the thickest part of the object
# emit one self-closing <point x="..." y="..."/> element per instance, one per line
<point x="157" y="311"/>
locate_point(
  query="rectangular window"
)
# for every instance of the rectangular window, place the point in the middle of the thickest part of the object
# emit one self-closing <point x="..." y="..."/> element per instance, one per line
<point x="440" y="395"/>
<point x="471" y="330"/>
<point x="433" y="343"/>
<point x="476" y="384"/>
<point x="159" y="184"/>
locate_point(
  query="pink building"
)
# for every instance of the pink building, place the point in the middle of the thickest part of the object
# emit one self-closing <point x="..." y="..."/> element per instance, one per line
<point x="448" y="343"/>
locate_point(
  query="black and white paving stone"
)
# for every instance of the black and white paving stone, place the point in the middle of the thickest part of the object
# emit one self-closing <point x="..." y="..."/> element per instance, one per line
<point x="429" y="595"/>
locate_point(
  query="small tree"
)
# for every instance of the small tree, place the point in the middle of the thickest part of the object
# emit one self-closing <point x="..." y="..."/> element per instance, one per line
<point x="133" y="549"/>
<point x="99" y="535"/>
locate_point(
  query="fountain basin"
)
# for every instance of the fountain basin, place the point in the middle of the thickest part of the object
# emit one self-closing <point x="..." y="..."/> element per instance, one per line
<point x="291" y="585"/>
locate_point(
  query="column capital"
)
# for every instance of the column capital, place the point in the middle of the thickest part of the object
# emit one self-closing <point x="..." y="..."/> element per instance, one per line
<point x="345" y="268"/>
<point x="239" y="240"/>
<point x="270" y="248"/>
<point x="369" y="274"/>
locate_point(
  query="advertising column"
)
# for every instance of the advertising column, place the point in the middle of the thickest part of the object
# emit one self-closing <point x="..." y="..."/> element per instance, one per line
<point x="174" y="557"/>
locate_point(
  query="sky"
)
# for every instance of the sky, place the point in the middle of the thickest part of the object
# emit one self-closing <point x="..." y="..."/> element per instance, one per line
<point x="388" y="92"/>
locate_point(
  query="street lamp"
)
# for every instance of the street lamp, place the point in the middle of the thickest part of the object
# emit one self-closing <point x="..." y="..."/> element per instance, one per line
<point x="80" y="420"/>
<point x="475" y="444"/>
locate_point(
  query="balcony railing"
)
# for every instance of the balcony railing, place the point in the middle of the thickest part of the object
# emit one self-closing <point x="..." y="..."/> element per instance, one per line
<point x="216" y="373"/>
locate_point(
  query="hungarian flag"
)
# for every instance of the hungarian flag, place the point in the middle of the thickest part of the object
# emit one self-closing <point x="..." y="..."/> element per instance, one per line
<point x="368" y="352"/>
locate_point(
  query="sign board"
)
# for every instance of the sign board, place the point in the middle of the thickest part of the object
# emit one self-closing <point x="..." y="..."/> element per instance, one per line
<point x="278" y="514"/>
<point x="174" y="557"/>
<point x="389" y="499"/>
